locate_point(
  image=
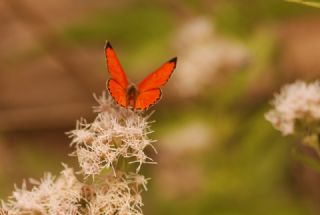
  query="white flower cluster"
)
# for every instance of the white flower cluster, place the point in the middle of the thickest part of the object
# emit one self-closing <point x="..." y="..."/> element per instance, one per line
<point x="116" y="137"/>
<point x="298" y="102"/>
<point x="115" y="133"/>
<point x="119" y="195"/>
<point x="66" y="195"/>
<point x="49" y="196"/>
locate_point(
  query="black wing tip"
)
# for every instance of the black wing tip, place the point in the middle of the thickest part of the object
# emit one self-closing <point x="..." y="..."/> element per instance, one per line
<point x="173" y="60"/>
<point x="108" y="45"/>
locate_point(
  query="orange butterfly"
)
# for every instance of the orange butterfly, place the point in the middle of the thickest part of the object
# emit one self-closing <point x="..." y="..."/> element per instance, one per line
<point x="143" y="95"/>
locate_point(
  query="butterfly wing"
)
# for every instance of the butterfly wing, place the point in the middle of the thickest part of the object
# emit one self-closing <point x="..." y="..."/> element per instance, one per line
<point x="158" y="78"/>
<point x="118" y="83"/>
<point x="149" y="88"/>
<point x="117" y="92"/>
<point x="147" y="98"/>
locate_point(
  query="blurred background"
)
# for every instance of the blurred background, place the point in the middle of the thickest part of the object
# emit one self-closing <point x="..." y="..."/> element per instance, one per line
<point x="217" y="153"/>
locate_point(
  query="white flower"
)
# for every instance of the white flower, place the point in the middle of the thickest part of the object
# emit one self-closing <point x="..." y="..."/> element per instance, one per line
<point x="191" y="137"/>
<point x="116" y="136"/>
<point x="49" y="196"/>
<point x="117" y="195"/>
<point x="296" y="101"/>
<point x="202" y="55"/>
<point x="116" y="132"/>
<point x="138" y="180"/>
<point x="65" y="195"/>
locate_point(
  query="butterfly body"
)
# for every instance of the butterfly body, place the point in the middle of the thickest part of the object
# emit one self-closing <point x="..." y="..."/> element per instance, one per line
<point x="141" y="96"/>
<point x="132" y="94"/>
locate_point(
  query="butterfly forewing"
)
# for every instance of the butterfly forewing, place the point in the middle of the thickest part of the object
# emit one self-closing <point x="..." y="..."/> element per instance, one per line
<point x="159" y="77"/>
<point x="149" y="88"/>
<point x="118" y="83"/>
<point x="114" y="67"/>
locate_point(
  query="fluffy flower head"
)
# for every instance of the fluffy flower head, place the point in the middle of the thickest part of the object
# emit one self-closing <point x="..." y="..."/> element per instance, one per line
<point x="296" y="102"/>
<point x="115" y="133"/>
<point x="118" y="195"/>
<point x="49" y="196"/>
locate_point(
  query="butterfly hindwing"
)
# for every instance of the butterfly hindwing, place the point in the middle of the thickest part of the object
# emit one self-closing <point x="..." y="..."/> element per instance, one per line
<point x="159" y="77"/>
<point x="114" y="67"/>
<point x="147" y="98"/>
<point x="117" y="92"/>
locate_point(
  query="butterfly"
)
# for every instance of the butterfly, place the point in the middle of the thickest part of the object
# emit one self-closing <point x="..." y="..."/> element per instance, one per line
<point x="129" y="95"/>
